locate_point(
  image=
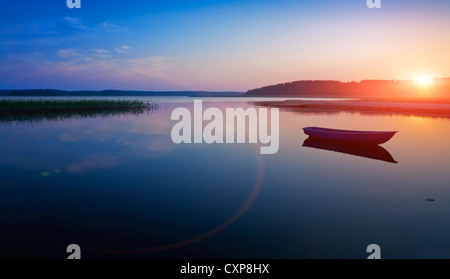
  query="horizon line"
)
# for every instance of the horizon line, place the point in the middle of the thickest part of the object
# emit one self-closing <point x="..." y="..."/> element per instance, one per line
<point x="221" y="91"/>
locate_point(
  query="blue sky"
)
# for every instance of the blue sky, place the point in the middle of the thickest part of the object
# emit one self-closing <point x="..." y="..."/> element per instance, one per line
<point x="218" y="45"/>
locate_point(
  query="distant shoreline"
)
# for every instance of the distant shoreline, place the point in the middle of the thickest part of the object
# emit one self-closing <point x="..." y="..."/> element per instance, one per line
<point x="113" y="93"/>
<point x="426" y="109"/>
<point x="435" y="89"/>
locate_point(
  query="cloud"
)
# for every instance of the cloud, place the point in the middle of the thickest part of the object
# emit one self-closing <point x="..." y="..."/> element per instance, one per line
<point x="110" y="28"/>
<point x="68" y="53"/>
<point x="79" y="24"/>
<point x="123" y="49"/>
<point x="102" y="53"/>
<point x="75" y="23"/>
<point x="60" y="26"/>
<point x="93" y="68"/>
<point x="78" y="56"/>
<point x="97" y="60"/>
<point x="155" y="64"/>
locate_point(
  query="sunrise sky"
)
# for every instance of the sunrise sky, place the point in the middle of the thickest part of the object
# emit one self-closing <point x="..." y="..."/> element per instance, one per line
<point x="218" y="45"/>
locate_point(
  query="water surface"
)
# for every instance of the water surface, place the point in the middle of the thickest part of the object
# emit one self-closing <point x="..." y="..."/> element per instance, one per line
<point x="119" y="187"/>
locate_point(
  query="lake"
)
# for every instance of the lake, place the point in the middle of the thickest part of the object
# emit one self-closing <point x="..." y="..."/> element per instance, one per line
<point x="119" y="187"/>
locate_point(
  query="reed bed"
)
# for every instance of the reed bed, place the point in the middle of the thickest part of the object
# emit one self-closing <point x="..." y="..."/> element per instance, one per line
<point x="23" y="110"/>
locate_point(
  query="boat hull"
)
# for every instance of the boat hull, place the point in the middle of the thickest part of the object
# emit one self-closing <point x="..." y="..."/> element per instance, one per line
<point x="372" y="137"/>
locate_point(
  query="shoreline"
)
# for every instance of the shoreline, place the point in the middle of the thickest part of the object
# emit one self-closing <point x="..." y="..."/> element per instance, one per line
<point x="365" y="107"/>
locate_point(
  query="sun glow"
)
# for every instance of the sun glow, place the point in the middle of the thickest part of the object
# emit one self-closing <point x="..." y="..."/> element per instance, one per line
<point x="424" y="81"/>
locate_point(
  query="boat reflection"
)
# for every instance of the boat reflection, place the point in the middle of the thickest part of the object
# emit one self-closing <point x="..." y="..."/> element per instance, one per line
<point x="372" y="151"/>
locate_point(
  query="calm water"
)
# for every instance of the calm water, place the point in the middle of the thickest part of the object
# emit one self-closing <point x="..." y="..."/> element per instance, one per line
<point x="119" y="187"/>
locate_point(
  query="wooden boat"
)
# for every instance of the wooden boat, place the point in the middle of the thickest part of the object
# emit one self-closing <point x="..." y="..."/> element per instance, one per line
<point x="373" y="137"/>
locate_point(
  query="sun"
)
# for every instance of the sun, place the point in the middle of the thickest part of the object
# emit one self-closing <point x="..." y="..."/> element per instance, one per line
<point x="424" y="81"/>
